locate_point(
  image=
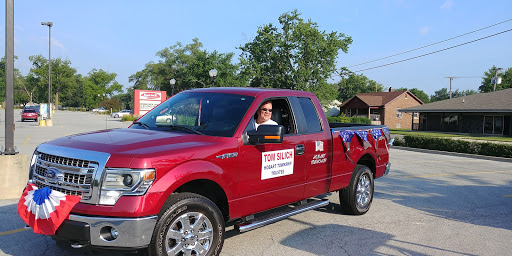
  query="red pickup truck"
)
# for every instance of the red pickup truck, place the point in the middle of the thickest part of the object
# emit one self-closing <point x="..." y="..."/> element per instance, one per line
<point x="176" y="177"/>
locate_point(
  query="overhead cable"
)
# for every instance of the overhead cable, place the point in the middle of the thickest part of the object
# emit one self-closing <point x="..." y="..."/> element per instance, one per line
<point x="423" y="55"/>
<point x="430" y="44"/>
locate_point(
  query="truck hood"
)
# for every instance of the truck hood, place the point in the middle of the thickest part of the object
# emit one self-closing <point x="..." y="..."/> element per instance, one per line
<point x="132" y="142"/>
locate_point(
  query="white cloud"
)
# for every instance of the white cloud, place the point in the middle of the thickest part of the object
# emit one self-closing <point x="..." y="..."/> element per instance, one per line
<point x="447" y="5"/>
<point x="425" y="30"/>
<point x="58" y="44"/>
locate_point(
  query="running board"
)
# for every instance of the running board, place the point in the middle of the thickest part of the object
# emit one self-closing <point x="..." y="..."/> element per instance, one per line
<point x="275" y="217"/>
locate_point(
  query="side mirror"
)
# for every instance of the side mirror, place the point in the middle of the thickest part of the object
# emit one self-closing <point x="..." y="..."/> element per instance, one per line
<point x="266" y="134"/>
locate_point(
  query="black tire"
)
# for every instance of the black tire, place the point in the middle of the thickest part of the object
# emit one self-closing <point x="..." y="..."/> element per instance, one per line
<point x="199" y="210"/>
<point x="116" y="116"/>
<point x="357" y="198"/>
<point x="23" y="120"/>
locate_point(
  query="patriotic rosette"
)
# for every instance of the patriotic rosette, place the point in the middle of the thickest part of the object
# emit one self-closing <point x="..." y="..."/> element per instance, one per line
<point x="45" y="209"/>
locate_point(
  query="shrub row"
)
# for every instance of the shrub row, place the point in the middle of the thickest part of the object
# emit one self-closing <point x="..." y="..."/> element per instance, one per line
<point x="344" y="119"/>
<point x="129" y="118"/>
<point x="452" y="145"/>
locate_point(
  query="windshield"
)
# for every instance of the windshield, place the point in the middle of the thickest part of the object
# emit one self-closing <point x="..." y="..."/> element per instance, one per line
<point x="215" y="114"/>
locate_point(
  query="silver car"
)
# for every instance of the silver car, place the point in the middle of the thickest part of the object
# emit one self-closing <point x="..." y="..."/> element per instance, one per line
<point x="121" y="113"/>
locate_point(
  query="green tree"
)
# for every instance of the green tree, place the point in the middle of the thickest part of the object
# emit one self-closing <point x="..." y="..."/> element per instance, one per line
<point x="487" y="86"/>
<point x="297" y="55"/>
<point x="444" y="94"/>
<point x="352" y="84"/>
<point x="418" y="93"/>
<point x="190" y="66"/>
<point x="19" y="94"/>
<point x="99" y="86"/>
<point x="441" y="94"/>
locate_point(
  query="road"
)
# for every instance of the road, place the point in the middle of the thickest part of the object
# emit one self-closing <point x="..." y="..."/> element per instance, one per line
<point x="429" y="204"/>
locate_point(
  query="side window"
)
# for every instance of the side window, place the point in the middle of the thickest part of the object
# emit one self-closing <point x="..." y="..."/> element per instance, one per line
<point x="281" y="114"/>
<point x="309" y="111"/>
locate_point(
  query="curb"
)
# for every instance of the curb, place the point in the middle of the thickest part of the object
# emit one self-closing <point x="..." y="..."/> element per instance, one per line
<point x="493" y="158"/>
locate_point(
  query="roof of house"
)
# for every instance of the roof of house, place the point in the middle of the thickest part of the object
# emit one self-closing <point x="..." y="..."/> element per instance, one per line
<point x="499" y="101"/>
<point x="377" y="99"/>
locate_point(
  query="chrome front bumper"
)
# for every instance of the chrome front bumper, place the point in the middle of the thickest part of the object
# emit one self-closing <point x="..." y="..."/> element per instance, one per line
<point x="131" y="232"/>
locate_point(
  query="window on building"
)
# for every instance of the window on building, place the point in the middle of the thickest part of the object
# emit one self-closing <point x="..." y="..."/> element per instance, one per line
<point x="398" y="113"/>
<point x="493" y="124"/>
<point x="415" y="115"/>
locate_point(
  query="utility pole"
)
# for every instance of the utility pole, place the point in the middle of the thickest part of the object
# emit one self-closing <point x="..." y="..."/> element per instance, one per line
<point x="496" y="77"/>
<point x="451" y="79"/>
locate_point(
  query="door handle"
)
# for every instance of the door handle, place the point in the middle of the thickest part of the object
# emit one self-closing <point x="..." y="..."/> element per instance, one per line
<point x="299" y="149"/>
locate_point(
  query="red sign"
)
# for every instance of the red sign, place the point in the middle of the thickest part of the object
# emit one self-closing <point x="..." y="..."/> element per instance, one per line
<point x="145" y="100"/>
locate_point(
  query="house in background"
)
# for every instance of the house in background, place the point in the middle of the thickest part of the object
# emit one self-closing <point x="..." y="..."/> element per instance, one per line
<point x="384" y="108"/>
<point x="481" y="113"/>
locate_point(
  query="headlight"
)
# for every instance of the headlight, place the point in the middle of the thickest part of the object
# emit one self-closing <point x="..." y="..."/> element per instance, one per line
<point x="32" y="167"/>
<point x="124" y="181"/>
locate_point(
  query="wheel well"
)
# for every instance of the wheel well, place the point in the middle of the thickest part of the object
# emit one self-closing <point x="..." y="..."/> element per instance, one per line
<point x="368" y="161"/>
<point x="210" y="190"/>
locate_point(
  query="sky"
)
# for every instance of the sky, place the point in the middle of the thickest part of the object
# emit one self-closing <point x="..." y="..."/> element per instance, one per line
<point x="122" y="36"/>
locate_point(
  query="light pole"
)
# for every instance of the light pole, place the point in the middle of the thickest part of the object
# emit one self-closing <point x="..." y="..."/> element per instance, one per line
<point x="172" y="82"/>
<point x="213" y="75"/>
<point x="49" y="24"/>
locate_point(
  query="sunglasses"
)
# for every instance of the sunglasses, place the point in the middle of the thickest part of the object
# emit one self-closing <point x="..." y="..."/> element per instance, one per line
<point x="266" y="109"/>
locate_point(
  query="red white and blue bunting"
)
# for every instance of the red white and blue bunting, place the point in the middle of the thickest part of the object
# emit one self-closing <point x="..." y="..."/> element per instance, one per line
<point x="45" y="209"/>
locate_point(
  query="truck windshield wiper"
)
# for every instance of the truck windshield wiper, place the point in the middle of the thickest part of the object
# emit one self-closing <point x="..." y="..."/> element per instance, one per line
<point x="184" y="128"/>
<point x="142" y="124"/>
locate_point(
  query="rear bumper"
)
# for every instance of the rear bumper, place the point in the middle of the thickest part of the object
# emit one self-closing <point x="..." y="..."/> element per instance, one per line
<point x="82" y="231"/>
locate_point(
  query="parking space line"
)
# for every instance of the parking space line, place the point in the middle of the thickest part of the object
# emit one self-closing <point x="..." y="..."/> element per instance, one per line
<point x="13" y="231"/>
<point x="507" y="195"/>
<point x="453" y="174"/>
<point x="26" y="140"/>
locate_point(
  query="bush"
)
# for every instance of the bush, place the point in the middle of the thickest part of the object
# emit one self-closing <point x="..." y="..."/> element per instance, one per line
<point x="460" y="146"/>
<point x="344" y="119"/>
<point x="129" y="118"/>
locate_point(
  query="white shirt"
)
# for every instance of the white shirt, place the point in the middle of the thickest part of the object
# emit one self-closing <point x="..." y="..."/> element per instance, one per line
<point x="253" y="126"/>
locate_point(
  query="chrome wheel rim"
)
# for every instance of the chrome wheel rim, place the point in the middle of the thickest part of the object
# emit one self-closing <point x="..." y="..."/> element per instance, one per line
<point x="364" y="192"/>
<point x="189" y="234"/>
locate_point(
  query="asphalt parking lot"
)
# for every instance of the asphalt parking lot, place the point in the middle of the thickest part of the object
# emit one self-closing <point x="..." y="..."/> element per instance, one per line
<point x="429" y="204"/>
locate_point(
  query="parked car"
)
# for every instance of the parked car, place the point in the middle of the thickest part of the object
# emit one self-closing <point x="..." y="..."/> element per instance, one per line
<point x="99" y="110"/>
<point x="28" y="114"/>
<point x="121" y="113"/>
<point x="34" y="107"/>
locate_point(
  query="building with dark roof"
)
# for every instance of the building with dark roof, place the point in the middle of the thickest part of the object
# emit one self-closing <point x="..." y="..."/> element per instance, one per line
<point x="383" y="108"/>
<point x="482" y="113"/>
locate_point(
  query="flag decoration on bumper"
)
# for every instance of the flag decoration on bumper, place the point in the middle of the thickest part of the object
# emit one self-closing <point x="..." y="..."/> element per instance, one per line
<point x="45" y="209"/>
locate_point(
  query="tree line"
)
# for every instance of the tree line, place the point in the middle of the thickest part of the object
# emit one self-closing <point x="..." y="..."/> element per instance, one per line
<point x="293" y="54"/>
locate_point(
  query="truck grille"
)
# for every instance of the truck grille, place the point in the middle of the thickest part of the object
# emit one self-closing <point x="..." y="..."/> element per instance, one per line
<point x="67" y="175"/>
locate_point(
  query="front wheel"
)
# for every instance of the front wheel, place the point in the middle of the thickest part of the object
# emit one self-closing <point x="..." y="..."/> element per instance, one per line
<point x="356" y="199"/>
<point x="190" y="225"/>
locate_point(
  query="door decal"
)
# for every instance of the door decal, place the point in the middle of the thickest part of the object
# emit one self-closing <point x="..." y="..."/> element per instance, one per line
<point x="277" y="163"/>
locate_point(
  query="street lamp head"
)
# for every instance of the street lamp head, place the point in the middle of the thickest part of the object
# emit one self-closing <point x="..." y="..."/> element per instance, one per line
<point x="213" y="73"/>
<point x="49" y="23"/>
<point x="172" y="81"/>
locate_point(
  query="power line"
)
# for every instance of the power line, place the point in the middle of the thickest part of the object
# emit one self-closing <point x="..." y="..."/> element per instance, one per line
<point x="423" y="55"/>
<point x="429" y="44"/>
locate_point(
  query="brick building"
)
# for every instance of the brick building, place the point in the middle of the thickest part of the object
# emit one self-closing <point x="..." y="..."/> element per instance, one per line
<point x="384" y="108"/>
<point x="482" y="113"/>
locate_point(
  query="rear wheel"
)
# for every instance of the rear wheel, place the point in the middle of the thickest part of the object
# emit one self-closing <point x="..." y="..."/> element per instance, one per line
<point x="116" y="116"/>
<point x="357" y="198"/>
<point x="190" y="225"/>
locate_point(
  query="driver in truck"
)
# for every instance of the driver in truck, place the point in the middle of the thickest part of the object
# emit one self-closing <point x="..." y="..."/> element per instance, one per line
<point x="263" y="116"/>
